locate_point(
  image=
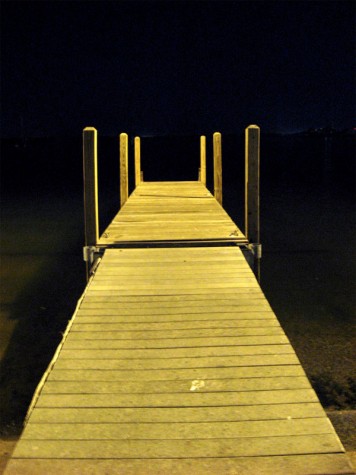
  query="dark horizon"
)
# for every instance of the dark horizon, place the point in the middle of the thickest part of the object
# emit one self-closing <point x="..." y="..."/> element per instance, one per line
<point x="176" y="68"/>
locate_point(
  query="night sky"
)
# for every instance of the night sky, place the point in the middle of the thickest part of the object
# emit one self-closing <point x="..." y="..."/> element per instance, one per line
<point x="159" y="68"/>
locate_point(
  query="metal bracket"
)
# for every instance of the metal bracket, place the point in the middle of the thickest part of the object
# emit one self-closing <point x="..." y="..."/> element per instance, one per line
<point x="88" y="254"/>
<point x="256" y="250"/>
<point x="253" y="255"/>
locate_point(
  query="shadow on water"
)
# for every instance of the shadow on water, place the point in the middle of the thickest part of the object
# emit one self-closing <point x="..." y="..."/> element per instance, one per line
<point x="42" y="277"/>
<point x="308" y="272"/>
<point x="42" y="270"/>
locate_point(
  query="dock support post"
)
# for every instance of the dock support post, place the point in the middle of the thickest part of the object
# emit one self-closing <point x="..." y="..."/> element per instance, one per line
<point x="91" y="213"/>
<point x="124" y="177"/>
<point x="202" y="170"/>
<point x="252" y="193"/>
<point x="217" y="167"/>
<point x="137" y="161"/>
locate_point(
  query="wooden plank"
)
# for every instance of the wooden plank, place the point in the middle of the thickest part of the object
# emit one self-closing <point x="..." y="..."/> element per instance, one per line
<point x="141" y="449"/>
<point x="178" y="363"/>
<point x="176" y="374"/>
<point x="168" y="291"/>
<point x="115" y="332"/>
<point x="203" y="159"/>
<point x="217" y="167"/>
<point x="178" y="414"/>
<point x="137" y="152"/>
<point x="178" y="299"/>
<point x="197" y="399"/>
<point x="113" y="342"/>
<point x="211" y="323"/>
<point x="90" y="171"/>
<point x="184" y="274"/>
<point x="179" y="286"/>
<point x="257" y="311"/>
<point x="277" y="465"/>
<point x="124" y="173"/>
<point x="170" y="281"/>
<point x="176" y="314"/>
<point x="177" y="431"/>
<point x="176" y="352"/>
<point x="252" y="183"/>
<point x="179" y="386"/>
<point x="132" y="335"/>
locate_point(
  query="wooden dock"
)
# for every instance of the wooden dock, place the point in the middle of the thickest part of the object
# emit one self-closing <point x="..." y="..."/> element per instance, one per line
<point x="171" y="212"/>
<point x="174" y="362"/>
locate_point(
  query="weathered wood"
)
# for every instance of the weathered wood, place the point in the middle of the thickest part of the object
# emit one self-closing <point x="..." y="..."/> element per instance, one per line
<point x="163" y="363"/>
<point x="275" y="371"/>
<point x="177" y="363"/>
<point x="217" y="167"/>
<point x="137" y="161"/>
<point x="90" y="174"/>
<point x="174" y="321"/>
<point x="111" y="340"/>
<point x="252" y="183"/>
<point x="197" y="399"/>
<point x="191" y="448"/>
<point x="260" y="412"/>
<point x="202" y="176"/>
<point x="277" y="465"/>
<point x="180" y="430"/>
<point x="179" y="386"/>
<point x="183" y="212"/>
<point x="124" y="172"/>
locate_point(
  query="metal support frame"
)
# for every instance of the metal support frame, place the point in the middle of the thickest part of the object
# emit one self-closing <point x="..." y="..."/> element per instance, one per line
<point x="253" y="254"/>
<point x="92" y="256"/>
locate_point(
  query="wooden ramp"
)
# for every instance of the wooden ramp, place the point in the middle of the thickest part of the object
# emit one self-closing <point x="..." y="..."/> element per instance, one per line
<point x="166" y="212"/>
<point x="174" y="363"/>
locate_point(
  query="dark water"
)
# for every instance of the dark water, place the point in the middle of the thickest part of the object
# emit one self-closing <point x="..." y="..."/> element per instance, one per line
<point x="308" y="229"/>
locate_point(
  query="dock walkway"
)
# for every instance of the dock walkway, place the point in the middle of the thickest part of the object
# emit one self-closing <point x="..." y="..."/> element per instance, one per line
<point x="168" y="212"/>
<point x="174" y="362"/>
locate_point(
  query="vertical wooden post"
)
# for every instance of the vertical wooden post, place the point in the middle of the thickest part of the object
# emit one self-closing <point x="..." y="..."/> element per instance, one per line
<point x="137" y="161"/>
<point x="252" y="191"/>
<point x="124" y="175"/>
<point x="202" y="174"/>
<point x="217" y="167"/>
<point x="90" y="177"/>
<point x="90" y="174"/>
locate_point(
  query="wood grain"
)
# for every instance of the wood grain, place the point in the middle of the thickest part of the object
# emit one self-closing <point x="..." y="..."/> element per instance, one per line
<point x="174" y="357"/>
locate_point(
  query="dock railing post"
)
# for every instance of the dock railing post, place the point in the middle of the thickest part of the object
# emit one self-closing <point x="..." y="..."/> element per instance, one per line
<point x="252" y="193"/>
<point x="124" y="176"/>
<point x="137" y="145"/>
<point x="217" y="167"/>
<point x="202" y="170"/>
<point x="90" y="177"/>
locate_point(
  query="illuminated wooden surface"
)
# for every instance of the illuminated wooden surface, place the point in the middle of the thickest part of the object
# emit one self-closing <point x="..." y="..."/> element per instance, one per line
<point x="90" y="175"/>
<point x="217" y="167"/>
<point x="124" y="171"/>
<point x="137" y="152"/>
<point x="171" y="212"/>
<point x="174" y="364"/>
<point x="202" y="170"/>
